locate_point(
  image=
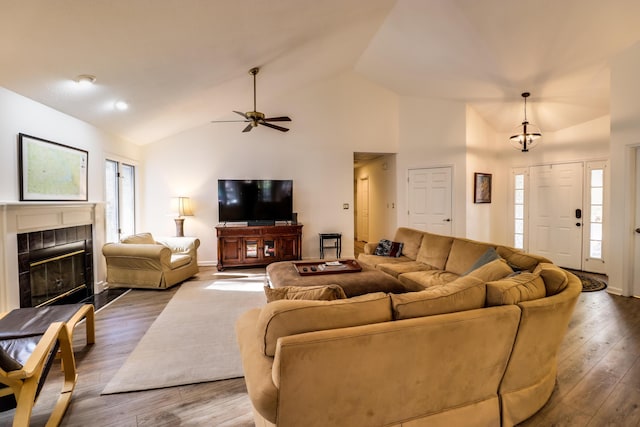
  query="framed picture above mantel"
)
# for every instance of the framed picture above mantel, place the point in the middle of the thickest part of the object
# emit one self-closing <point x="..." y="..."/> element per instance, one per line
<point x="481" y="187"/>
<point x="50" y="171"/>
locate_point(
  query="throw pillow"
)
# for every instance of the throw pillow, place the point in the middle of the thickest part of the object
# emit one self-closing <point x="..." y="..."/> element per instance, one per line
<point x="388" y="248"/>
<point x="319" y="293"/>
<point x="489" y="255"/>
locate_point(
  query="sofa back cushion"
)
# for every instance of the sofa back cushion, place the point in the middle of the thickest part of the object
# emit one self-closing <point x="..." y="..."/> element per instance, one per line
<point x="494" y="270"/>
<point x="464" y="253"/>
<point x="434" y="250"/>
<point x="464" y="293"/>
<point x="512" y="290"/>
<point x="141" y="238"/>
<point x="290" y="317"/>
<point x="411" y="240"/>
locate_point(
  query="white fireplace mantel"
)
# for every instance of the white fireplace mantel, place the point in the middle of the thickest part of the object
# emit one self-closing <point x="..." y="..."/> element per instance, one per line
<point x="16" y="218"/>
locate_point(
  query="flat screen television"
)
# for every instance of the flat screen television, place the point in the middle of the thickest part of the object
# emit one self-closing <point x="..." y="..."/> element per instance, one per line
<point x="255" y="201"/>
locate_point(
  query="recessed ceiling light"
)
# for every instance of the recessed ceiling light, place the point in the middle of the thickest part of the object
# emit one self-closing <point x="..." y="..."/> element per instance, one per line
<point x="86" y="79"/>
<point x="121" y="105"/>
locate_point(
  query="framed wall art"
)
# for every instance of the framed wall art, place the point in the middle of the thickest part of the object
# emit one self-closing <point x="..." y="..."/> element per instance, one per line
<point x="50" y="171"/>
<point x="481" y="187"/>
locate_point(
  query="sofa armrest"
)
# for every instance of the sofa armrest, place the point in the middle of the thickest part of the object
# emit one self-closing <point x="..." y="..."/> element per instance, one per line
<point x="370" y="248"/>
<point x="257" y="367"/>
<point x="180" y="245"/>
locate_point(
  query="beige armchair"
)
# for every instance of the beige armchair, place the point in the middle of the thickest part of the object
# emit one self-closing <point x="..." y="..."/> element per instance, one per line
<point x="139" y="261"/>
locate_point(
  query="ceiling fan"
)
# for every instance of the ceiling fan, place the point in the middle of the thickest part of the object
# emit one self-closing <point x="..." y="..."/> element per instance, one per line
<point x="255" y="118"/>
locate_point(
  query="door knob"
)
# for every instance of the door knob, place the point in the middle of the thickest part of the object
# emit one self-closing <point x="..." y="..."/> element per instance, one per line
<point x="578" y="224"/>
<point x="449" y="220"/>
<point x="638" y="230"/>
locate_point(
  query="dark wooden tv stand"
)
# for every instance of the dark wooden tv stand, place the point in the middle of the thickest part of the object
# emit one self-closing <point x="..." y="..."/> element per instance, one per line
<point x="258" y="245"/>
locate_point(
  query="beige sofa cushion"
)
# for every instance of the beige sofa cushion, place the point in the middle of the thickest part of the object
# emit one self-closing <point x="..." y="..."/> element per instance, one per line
<point x="411" y="239"/>
<point x="426" y="279"/>
<point x="555" y="279"/>
<point x="290" y="317"/>
<point x="140" y="238"/>
<point x="179" y="260"/>
<point x="375" y="260"/>
<point x="464" y="293"/>
<point x="318" y="293"/>
<point x="520" y="260"/>
<point x="397" y="268"/>
<point x="522" y="287"/>
<point x="464" y="253"/>
<point x="435" y="250"/>
<point x="494" y="270"/>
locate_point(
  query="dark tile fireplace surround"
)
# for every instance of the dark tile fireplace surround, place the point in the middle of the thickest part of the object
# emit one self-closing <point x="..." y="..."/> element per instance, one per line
<point x="55" y="266"/>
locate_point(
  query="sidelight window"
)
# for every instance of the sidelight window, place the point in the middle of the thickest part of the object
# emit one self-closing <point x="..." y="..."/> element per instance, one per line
<point x="518" y="209"/>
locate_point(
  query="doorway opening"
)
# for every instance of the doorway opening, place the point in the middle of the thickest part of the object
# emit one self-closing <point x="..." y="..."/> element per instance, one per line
<point x="374" y="195"/>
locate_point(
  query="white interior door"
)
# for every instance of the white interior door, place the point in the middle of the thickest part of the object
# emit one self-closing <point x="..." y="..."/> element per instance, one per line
<point x="363" y="209"/>
<point x="430" y="200"/>
<point x="555" y="231"/>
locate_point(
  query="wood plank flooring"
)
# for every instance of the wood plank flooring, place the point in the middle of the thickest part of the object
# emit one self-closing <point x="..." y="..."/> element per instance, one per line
<point x="598" y="373"/>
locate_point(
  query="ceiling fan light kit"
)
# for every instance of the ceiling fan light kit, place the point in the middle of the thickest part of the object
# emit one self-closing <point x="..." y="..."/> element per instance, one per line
<point x="255" y="117"/>
<point x="526" y="136"/>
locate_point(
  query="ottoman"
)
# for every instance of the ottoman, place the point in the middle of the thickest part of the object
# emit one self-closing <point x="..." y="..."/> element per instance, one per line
<point x="284" y="273"/>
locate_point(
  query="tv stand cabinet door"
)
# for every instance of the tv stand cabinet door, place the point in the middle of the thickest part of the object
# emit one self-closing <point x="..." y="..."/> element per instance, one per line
<point x="229" y="251"/>
<point x="289" y="248"/>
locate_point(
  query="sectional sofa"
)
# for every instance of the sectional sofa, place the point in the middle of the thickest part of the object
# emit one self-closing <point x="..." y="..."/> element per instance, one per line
<point x="477" y="346"/>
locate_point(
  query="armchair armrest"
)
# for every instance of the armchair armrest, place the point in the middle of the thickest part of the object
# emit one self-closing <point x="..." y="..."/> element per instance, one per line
<point x="132" y="254"/>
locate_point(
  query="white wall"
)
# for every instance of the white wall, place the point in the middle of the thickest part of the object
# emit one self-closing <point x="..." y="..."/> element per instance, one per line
<point x="382" y="174"/>
<point x="330" y="120"/>
<point x="625" y="137"/>
<point x="432" y="134"/>
<point x="484" y="221"/>
<point x="22" y="115"/>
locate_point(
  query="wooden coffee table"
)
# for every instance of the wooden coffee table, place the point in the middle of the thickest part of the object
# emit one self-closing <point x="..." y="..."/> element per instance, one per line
<point x="367" y="280"/>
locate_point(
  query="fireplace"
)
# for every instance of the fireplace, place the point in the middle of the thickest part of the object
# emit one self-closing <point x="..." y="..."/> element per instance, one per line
<point x="55" y="266"/>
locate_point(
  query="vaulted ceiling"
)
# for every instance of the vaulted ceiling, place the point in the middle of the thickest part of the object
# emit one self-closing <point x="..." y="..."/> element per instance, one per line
<point x="182" y="63"/>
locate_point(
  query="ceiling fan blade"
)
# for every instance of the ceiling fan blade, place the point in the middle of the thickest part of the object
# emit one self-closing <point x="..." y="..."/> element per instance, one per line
<point x="280" y="128"/>
<point x="229" y="121"/>
<point x="248" y="128"/>
<point x="278" y="119"/>
<point x="242" y="114"/>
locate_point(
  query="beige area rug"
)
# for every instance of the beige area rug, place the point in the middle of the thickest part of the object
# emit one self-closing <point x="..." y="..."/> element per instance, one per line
<point x="193" y="339"/>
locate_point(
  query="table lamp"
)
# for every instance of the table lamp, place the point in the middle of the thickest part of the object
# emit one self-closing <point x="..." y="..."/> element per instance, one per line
<point x="182" y="206"/>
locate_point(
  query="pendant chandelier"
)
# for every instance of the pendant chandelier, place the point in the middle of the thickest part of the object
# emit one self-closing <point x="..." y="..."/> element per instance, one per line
<point x="526" y="136"/>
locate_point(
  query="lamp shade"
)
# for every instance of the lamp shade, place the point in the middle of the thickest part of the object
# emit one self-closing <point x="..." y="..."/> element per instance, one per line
<point x="182" y="206"/>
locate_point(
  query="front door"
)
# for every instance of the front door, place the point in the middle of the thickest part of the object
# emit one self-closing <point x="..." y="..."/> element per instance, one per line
<point x="430" y="200"/>
<point x="555" y="229"/>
